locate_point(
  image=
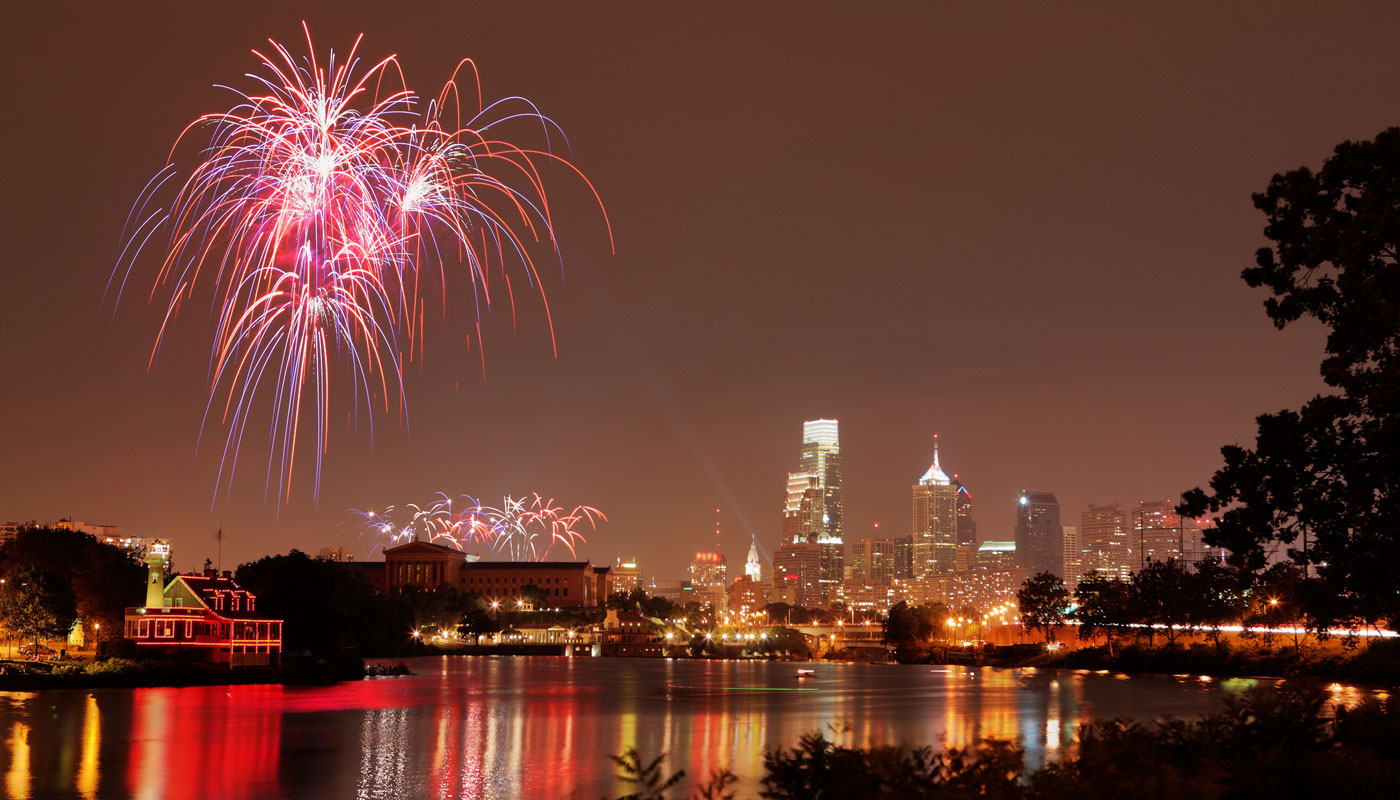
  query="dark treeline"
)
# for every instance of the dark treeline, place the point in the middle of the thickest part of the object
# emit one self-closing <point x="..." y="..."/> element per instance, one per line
<point x="327" y="607"/>
<point x="1164" y="600"/>
<point x="54" y="578"/>
<point x="1264" y="745"/>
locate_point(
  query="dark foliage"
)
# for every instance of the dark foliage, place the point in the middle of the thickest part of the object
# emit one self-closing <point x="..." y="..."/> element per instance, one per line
<point x="1324" y="480"/>
<point x="1264" y="745"/>
<point x="910" y="630"/>
<point x="37" y="604"/>
<point x="104" y="580"/>
<point x="1043" y="601"/>
<point x="327" y="607"/>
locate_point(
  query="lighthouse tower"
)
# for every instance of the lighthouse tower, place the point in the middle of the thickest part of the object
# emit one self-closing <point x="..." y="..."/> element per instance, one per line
<point x="156" y="559"/>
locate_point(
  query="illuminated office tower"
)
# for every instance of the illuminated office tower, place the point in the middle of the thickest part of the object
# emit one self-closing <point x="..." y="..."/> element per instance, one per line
<point x="873" y="561"/>
<point x="1074" y="561"/>
<point x="802" y="508"/>
<point x="935" y="529"/>
<point x="967" y="527"/>
<point x="1103" y="538"/>
<point x="813" y="509"/>
<point x="1158" y="532"/>
<point x="821" y="456"/>
<point x="708" y="577"/>
<point x="1040" y="542"/>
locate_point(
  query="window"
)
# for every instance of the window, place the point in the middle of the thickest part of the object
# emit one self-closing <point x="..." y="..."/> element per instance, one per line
<point x="250" y="602"/>
<point x="144" y="630"/>
<point x="189" y="629"/>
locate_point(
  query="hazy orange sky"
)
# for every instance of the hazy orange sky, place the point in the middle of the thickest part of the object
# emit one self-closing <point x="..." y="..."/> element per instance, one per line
<point x="1023" y="230"/>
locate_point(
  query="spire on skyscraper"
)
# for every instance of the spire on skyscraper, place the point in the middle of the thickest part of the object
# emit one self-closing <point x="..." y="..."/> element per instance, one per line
<point x="935" y="474"/>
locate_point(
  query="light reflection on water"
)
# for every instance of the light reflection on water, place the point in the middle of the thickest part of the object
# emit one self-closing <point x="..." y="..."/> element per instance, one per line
<point x="542" y="727"/>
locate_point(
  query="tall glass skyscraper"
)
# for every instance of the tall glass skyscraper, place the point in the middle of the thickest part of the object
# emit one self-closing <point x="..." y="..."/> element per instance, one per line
<point x="935" y="523"/>
<point x="821" y="456"/>
<point x="1040" y="540"/>
<point x="813" y="511"/>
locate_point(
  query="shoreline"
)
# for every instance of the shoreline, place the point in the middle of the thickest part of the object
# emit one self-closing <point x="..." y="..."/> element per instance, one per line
<point x="151" y="675"/>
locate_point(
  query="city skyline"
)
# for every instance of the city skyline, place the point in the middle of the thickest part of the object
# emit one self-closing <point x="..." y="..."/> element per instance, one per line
<point x="686" y="357"/>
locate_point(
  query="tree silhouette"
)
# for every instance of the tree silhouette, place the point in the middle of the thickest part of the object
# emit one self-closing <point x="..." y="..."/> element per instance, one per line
<point x="1323" y="481"/>
<point x="1043" y="600"/>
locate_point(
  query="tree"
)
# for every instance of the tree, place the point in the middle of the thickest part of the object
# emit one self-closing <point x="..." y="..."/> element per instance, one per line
<point x="910" y="630"/>
<point x="1277" y="601"/>
<point x="786" y="641"/>
<point x="1043" y="599"/>
<point x="1215" y="597"/>
<point x="37" y="604"/>
<point x="534" y="595"/>
<point x="1324" y="480"/>
<point x="1161" y="592"/>
<point x="476" y="622"/>
<point x="104" y="579"/>
<point x="1105" y="608"/>
<point x="326" y="606"/>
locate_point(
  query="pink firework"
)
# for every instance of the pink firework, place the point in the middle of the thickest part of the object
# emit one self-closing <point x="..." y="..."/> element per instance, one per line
<point x="327" y="204"/>
<point x="524" y="529"/>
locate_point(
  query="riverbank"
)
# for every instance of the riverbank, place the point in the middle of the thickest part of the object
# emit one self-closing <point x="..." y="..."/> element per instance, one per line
<point x="118" y="673"/>
<point x="1375" y="664"/>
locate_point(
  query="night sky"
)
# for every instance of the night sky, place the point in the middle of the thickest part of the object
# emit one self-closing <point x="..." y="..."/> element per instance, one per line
<point x="1023" y="231"/>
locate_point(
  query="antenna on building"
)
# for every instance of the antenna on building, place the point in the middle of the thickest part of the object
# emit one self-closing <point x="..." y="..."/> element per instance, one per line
<point x="219" y="535"/>
<point x="935" y="451"/>
<point x="717" y="546"/>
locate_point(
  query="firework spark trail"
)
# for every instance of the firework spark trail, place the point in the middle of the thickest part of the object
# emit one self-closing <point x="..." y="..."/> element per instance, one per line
<point x="323" y="202"/>
<point x="520" y="529"/>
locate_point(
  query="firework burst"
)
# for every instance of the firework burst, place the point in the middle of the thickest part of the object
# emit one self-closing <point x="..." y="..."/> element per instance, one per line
<point x="326" y="204"/>
<point x="520" y="529"/>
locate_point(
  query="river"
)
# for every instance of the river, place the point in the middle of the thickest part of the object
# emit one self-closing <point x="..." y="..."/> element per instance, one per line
<point x="537" y="727"/>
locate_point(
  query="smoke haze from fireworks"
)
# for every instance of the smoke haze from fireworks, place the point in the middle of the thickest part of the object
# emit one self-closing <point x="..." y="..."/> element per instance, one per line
<point x="326" y="209"/>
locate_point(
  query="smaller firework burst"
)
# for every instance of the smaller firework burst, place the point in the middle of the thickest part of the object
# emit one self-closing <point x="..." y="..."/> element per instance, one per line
<point x="520" y="529"/>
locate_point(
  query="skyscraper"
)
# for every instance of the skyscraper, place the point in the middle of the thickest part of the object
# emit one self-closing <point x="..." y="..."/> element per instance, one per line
<point x="1040" y="542"/>
<point x="802" y="508"/>
<point x="1158" y="531"/>
<point x="796" y="574"/>
<point x="873" y="561"/>
<point x="707" y="576"/>
<point x="935" y="528"/>
<point x="813" y="509"/>
<point x="1103" y="537"/>
<point x="1074" y="561"/>
<point x="967" y="527"/>
<point x="821" y="456"/>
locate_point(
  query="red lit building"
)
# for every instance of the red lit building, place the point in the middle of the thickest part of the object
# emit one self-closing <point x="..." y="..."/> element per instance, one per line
<point x="211" y="616"/>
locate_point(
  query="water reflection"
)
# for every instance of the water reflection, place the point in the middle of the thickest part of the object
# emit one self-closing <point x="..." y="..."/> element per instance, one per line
<point x="92" y="744"/>
<point x="17" y="776"/>
<point x="542" y="727"/>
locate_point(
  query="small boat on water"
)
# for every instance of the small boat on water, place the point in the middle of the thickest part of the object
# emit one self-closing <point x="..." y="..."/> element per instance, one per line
<point x="806" y="673"/>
